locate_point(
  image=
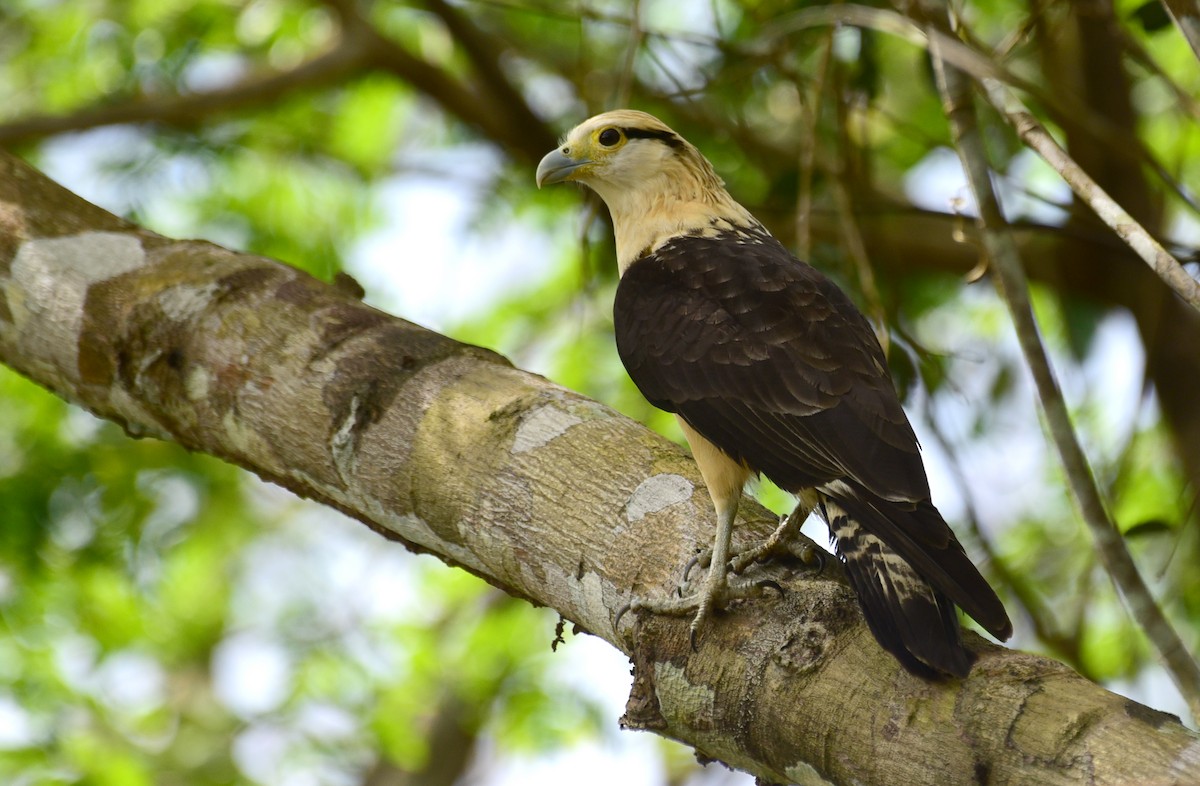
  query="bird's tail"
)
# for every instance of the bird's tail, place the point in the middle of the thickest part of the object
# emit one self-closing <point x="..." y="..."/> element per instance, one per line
<point x="908" y="571"/>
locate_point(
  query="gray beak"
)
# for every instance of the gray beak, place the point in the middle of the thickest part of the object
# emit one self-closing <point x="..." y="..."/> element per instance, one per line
<point x="556" y="167"/>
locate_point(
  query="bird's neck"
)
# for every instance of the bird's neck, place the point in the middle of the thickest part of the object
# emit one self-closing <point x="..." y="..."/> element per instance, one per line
<point x="674" y="194"/>
<point x="644" y="220"/>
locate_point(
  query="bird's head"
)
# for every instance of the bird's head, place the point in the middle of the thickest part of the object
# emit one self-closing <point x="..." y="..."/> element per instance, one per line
<point x="625" y="154"/>
<point x="656" y="184"/>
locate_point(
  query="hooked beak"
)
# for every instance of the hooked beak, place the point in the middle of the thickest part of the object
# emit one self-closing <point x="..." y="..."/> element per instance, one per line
<point x="557" y="167"/>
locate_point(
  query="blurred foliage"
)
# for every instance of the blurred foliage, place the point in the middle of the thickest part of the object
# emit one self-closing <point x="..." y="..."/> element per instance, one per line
<point x="140" y="585"/>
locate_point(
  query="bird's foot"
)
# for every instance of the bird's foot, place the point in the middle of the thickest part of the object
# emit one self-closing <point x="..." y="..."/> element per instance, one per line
<point x="718" y="590"/>
<point x="785" y="541"/>
<point x="723" y="584"/>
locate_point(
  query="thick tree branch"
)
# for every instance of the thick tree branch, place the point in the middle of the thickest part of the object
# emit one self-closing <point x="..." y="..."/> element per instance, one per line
<point x="544" y="493"/>
<point x="1014" y="288"/>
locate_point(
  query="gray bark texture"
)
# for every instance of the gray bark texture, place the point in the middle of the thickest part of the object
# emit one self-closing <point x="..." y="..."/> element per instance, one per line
<point x="544" y="493"/>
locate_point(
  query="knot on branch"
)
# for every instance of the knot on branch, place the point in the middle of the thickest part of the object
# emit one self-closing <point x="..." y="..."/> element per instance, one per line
<point x="805" y="647"/>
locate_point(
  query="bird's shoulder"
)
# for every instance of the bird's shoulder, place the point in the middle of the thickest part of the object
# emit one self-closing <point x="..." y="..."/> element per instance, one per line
<point x="737" y="296"/>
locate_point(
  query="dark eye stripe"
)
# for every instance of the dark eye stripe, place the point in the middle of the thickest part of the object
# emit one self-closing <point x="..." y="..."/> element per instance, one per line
<point x="666" y="137"/>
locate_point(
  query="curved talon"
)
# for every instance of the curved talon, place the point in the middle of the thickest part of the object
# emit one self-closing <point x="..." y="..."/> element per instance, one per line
<point x="810" y="555"/>
<point x="702" y="558"/>
<point x="621" y="613"/>
<point x="770" y="584"/>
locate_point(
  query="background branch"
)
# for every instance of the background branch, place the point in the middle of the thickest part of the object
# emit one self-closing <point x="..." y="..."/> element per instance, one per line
<point x="492" y="106"/>
<point x="1186" y="15"/>
<point x="994" y="77"/>
<point x="188" y="110"/>
<point x="1124" y="225"/>
<point x="1014" y="289"/>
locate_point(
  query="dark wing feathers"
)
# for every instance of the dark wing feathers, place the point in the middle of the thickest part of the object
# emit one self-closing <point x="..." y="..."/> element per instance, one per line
<point x="772" y="363"/>
<point x="940" y="560"/>
<point x="714" y="330"/>
<point x="900" y="607"/>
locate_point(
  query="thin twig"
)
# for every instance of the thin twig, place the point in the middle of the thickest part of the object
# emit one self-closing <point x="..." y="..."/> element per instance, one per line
<point x="808" y="149"/>
<point x="1064" y="108"/>
<point x="591" y="13"/>
<point x="1014" y="289"/>
<point x="1127" y="228"/>
<point x="1186" y="15"/>
<point x="1021" y="34"/>
<point x="1138" y="53"/>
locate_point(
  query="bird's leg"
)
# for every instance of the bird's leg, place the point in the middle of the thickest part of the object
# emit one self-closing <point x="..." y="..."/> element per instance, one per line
<point x="716" y="590"/>
<point x="716" y="584"/>
<point x="724" y="477"/>
<point x="783" y="542"/>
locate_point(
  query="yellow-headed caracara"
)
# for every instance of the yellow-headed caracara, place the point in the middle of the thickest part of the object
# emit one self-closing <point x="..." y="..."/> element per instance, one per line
<point x="771" y="369"/>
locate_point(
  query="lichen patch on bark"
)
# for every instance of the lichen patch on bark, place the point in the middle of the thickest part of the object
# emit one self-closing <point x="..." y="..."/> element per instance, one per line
<point x="51" y="279"/>
<point x="541" y="426"/>
<point x="656" y="493"/>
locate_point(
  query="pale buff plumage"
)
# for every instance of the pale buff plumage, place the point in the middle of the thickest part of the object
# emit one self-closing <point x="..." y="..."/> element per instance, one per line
<point x="652" y="192"/>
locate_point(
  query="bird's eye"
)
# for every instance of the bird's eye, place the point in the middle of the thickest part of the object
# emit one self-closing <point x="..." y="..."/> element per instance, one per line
<point x="609" y="137"/>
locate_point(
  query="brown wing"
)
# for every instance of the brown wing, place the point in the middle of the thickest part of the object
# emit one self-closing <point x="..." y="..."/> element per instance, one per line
<point x="770" y="361"/>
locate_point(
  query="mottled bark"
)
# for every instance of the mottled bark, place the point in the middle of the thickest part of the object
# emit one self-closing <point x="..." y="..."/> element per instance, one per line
<point x="546" y="494"/>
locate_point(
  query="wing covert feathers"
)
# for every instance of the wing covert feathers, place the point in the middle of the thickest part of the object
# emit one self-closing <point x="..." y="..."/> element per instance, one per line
<point x="767" y="359"/>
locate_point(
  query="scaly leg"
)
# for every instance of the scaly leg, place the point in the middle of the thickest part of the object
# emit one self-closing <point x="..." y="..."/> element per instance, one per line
<point x="715" y="591"/>
<point x="724" y="478"/>
<point x="716" y="586"/>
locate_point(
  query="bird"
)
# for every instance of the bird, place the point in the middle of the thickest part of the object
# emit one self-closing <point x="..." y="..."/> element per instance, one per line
<point x="770" y="369"/>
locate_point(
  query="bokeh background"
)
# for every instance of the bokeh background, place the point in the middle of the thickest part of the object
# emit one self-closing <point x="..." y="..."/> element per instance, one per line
<point x="168" y="619"/>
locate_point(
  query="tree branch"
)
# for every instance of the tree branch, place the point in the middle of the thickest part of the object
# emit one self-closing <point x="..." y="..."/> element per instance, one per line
<point x="194" y="109"/>
<point x="487" y="55"/>
<point x="485" y="106"/>
<point x="1014" y="289"/>
<point x="361" y="48"/>
<point x="1186" y="15"/>
<point x="1105" y="207"/>
<point x="552" y="497"/>
<point x="994" y="78"/>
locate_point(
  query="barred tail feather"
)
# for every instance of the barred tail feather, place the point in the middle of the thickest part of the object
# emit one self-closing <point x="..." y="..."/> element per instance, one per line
<point x="907" y="589"/>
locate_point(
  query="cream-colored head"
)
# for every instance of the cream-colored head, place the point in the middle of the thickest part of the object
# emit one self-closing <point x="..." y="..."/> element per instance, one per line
<point x="655" y="183"/>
